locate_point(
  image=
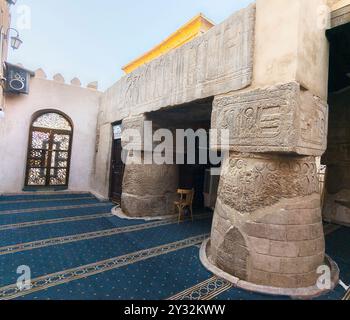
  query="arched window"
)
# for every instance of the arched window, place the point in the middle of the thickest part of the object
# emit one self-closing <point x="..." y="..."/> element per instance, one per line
<point x="49" y="150"/>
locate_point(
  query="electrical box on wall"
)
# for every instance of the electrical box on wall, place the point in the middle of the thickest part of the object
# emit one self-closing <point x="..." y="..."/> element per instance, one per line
<point x="17" y="79"/>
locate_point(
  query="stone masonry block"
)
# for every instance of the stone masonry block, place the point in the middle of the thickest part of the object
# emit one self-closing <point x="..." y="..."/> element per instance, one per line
<point x="282" y="119"/>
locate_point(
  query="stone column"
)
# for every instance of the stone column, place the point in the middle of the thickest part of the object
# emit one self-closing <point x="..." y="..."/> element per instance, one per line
<point x="267" y="228"/>
<point x="149" y="190"/>
<point x="337" y="159"/>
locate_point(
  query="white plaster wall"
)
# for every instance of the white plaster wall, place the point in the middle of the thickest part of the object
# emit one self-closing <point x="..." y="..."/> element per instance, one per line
<point x="80" y="104"/>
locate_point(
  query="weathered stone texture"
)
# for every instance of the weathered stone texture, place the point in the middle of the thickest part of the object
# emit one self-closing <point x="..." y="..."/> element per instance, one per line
<point x="218" y="62"/>
<point x="134" y="124"/>
<point x="282" y="118"/>
<point x="233" y="253"/>
<point x="267" y="227"/>
<point x="251" y="182"/>
<point x="149" y="190"/>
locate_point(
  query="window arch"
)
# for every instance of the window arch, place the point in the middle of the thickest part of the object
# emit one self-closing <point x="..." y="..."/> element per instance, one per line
<point x="52" y="120"/>
<point x="49" y="149"/>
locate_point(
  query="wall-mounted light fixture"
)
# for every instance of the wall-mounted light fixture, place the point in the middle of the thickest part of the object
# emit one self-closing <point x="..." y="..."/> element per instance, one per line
<point x="15" y="41"/>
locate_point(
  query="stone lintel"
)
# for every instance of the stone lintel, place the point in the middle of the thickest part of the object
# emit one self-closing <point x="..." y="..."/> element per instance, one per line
<point x="280" y="119"/>
<point x="340" y="16"/>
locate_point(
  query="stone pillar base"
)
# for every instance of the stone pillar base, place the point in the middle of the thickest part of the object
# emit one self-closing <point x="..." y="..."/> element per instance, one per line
<point x="267" y="228"/>
<point x="149" y="205"/>
<point x="299" y="293"/>
<point x="149" y="190"/>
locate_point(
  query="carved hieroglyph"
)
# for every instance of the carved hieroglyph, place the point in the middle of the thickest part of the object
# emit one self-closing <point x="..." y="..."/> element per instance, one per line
<point x="248" y="184"/>
<point x="283" y="118"/>
<point x="219" y="61"/>
<point x="267" y="227"/>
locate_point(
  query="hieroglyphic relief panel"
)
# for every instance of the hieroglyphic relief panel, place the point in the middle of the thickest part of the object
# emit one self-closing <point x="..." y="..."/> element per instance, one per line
<point x="282" y="118"/>
<point x="217" y="62"/>
<point x="313" y="121"/>
<point x="253" y="182"/>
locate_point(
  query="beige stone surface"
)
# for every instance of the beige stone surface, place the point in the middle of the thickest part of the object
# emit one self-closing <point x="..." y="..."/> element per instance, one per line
<point x="149" y="190"/>
<point x="5" y="21"/>
<point x="337" y="4"/>
<point x="58" y="78"/>
<point x="76" y="82"/>
<point x="93" y="85"/>
<point x="290" y="39"/>
<point x="40" y="73"/>
<point x="267" y="227"/>
<point x="101" y="172"/>
<point x="283" y="118"/>
<point x="135" y="124"/>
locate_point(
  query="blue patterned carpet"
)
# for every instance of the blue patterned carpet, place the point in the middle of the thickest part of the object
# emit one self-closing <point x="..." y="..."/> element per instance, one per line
<point x="76" y="249"/>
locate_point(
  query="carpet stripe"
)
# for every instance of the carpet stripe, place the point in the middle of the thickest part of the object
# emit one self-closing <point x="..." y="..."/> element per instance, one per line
<point x="54" y="221"/>
<point x="205" y="290"/>
<point x="46" y="200"/>
<point x="55" y="279"/>
<point x="42" y="193"/>
<point x="84" y="236"/>
<point x="31" y="210"/>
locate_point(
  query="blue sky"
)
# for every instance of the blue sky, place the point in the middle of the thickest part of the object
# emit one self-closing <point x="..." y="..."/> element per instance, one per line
<point x="93" y="39"/>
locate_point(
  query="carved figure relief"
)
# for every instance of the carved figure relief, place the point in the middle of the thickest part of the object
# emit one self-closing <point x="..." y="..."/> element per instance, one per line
<point x="253" y="183"/>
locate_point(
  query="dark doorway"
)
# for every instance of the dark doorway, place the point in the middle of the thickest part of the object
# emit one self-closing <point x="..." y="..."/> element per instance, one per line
<point x="49" y="150"/>
<point x="336" y="192"/>
<point x="117" y="166"/>
<point x="195" y="115"/>
<point x="339" y="67"/>
<point x="198" y="177"/>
